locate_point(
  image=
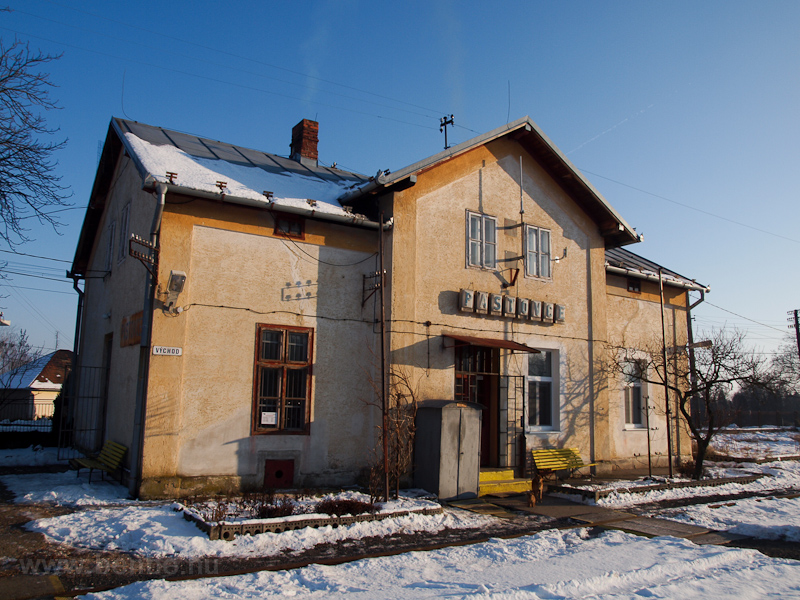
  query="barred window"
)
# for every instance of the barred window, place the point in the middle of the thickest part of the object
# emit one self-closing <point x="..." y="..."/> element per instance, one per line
<point x="281" y="400"/>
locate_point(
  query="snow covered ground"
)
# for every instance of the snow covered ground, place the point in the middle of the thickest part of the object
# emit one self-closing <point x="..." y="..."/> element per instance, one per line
<point x="766" y="518"/>
<point x="551" y="564"/>
<point x="758" y="443"/>
<point x="66" y="489"/>
<point x="778" y="476"/>
<point x="111" y="521"/>
<point x="28" y="457"/>
<point x="160" y="531"/>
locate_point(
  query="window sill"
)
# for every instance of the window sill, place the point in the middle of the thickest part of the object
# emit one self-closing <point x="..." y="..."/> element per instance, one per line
<point x="541" y="431"/>
<point x="542" y="279"/>
<point x="281" y="432"/>
<point x="634" y="428"/>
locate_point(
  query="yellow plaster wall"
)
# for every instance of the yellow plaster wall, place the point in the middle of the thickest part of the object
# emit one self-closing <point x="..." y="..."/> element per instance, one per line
<point x="239" y="274"/>
<point x="635" y="322"/>
<point x="429" y="268"/>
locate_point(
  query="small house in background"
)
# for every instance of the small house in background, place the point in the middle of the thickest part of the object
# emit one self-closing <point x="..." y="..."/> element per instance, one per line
<point x="27" y="393"/>
<point x="230" y="329"/>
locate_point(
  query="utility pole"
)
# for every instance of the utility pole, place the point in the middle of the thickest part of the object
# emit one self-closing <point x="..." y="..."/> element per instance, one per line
<point x="384" y="394"/>
<point x="794" y="315"/>
<point x="443" y="123"/>
<point x="666" y="374"/>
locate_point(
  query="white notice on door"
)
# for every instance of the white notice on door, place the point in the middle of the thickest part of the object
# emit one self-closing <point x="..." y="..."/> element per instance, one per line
<point x="269" y="418"/>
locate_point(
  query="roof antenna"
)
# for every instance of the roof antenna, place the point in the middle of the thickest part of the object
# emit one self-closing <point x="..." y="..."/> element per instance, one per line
<point x="443" y="123"/>
<point x="122" y="96"/>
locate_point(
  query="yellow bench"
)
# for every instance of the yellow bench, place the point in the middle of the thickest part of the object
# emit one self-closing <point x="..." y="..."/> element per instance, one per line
<point x="107" y="461"/>
<point x="549" y="460"/>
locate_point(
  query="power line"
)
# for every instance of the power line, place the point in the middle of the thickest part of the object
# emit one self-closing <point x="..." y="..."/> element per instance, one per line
<point x="43" y="277"/>
<point x="745" y="318"/>
<point x="35" y="256"/>
<point x="694" y="208"/>
<point x="220" y="81"/>
<point x="248" y="58"/>
<point x="194" y="57"/>
<point x="21" y="287"/>
<point x="34" y="311"/>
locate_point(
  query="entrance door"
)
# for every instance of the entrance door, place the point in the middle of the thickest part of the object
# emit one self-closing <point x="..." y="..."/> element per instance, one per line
<point x="477" y="372"/>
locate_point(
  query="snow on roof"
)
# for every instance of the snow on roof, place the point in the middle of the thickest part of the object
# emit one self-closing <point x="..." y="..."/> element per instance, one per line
<point x="242" y="179"/>
<point x="45" y="373"/>
<point x="25" y="376"/>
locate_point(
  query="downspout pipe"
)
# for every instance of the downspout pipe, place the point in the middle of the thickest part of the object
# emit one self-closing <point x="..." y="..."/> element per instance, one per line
<point x="74" y="385"/>
<point x="690" y="334"/>
<point x="78" y="319"/>
<point x="666" y="374"/>
<point x="137" y="452"/>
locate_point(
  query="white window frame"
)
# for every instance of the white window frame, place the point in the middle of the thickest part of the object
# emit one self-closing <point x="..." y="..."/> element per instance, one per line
<point x="555" y="404"/>
<point x="633" y="384"/>
<point x="538" y="261"/>
<point x="481" y="247"/>
<point x="111" y="232"/>
<point x="124" y="231"/>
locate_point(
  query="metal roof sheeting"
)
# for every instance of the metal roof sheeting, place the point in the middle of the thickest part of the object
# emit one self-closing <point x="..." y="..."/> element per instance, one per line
<point x="211" y="149"/>
<point x="625" y="262"/>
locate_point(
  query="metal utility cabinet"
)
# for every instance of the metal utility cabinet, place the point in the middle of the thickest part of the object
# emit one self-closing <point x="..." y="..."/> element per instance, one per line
<point x="447" y="449"/>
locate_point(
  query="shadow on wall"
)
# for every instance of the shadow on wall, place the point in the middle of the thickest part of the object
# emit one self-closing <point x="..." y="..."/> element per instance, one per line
<point x="326" y="286"/>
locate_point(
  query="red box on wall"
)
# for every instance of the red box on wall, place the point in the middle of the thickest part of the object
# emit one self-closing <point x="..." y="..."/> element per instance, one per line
<point x="278" y="474"/>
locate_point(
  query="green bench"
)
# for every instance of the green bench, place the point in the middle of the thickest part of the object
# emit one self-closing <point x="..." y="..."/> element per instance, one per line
<point x="107" y="461"/>
<point x="550" y="460"/>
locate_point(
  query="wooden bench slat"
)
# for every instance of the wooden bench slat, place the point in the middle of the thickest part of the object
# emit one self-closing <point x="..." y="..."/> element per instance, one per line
<point x="558" y="459"/>
<point x="107" y="461"/>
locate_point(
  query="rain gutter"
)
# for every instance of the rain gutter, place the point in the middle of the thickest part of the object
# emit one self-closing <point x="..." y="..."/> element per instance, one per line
<point x="355" y="220"/>
<point x="688" y="285"/>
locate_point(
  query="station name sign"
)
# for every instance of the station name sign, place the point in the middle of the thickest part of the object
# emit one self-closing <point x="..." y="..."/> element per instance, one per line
<point x="501" y="305"/>
<point x="167" y="351"/>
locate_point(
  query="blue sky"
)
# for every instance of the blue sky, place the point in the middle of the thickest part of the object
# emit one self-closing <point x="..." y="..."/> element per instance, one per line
<point x="683" y="114"/>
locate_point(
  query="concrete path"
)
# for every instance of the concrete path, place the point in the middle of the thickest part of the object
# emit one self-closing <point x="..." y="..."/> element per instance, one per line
<point x="23" y="587"/>
<point x="595" y="516"/>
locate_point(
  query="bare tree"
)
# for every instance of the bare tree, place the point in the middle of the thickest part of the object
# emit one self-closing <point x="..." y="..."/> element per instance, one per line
<point x="400" y="430"/>
<point x="29" y="186"/>
<point x="16" y="350"/>
<point x="718" y="369"/>
<point x="786" y="366"/>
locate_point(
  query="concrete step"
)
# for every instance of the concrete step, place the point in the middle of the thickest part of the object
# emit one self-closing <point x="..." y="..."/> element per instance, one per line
<point x="496" y="474"/>
<point x="515" y="486"/>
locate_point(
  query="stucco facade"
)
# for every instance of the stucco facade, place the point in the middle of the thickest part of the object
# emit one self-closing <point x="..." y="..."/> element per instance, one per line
<point x="266" y="361"/>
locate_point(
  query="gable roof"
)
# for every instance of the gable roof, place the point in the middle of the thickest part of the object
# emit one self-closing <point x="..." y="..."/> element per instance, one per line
<point x="200" y="163"/>
<point x="45" y="373"/>
<point x="250" y="177"/>
<point x="615" y="230"/>
<point x="622" y="261"/>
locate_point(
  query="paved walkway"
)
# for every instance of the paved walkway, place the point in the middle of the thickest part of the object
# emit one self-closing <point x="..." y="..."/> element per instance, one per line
<point x="595" y="516"/>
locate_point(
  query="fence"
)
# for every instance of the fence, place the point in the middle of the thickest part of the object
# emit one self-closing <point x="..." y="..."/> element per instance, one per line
<point x="83" y="412"/>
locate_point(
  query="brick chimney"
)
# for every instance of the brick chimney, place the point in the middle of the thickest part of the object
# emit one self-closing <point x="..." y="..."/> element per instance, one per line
<point x="305" y="136"/>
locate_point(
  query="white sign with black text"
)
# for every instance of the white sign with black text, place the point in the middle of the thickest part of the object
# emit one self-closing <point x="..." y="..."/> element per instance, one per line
<point x="167" y="351"/>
